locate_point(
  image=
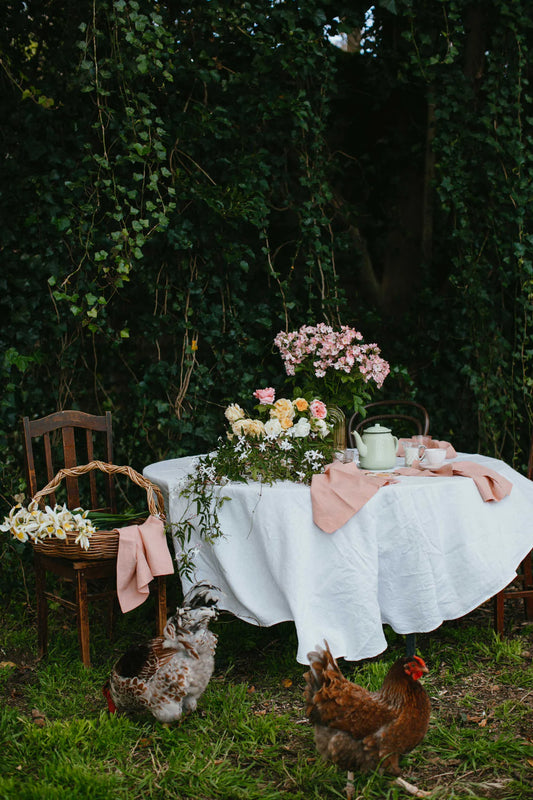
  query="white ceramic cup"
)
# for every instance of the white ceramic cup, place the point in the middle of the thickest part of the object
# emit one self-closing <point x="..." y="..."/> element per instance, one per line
<point x="434" y="457"/>
<point x="412" y="452"/>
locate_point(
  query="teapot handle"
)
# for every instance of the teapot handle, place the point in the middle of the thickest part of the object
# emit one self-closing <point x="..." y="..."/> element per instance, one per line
<point x="395" y="443"/>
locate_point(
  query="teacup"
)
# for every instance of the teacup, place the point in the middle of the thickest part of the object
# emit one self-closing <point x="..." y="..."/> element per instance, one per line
<point x="412" y="452"/>
<point x="434" y="457"/>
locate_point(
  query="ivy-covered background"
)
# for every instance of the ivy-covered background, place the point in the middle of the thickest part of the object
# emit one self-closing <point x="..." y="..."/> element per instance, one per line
<point x="181" y="180"/>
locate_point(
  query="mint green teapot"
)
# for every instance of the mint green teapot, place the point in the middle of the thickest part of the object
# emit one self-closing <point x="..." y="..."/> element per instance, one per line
<point x="377" y="447"/>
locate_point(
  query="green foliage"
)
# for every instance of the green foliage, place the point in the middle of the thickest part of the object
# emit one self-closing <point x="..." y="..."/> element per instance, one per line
<point x="179" y="183"/>
<point x="182" y="173"/>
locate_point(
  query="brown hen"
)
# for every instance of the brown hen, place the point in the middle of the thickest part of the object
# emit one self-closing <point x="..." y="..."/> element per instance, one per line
<point x="361" y="730"/>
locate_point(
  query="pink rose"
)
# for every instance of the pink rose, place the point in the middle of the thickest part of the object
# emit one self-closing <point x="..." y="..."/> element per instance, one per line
<point x="265" y="395"/>
<point x="318" y="409"/>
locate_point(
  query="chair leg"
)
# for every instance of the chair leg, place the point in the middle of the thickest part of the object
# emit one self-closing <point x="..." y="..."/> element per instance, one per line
<point x="499" y="613"/>
<point x="527" y="567"/>
<point x="161" y="604"/>
<point x="528" y="607"/>
<point x="42" y="606"/>
<point x="83" y="617"/>
<point x="110" y="617"/>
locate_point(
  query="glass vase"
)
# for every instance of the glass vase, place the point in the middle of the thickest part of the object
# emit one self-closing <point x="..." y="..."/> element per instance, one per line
<point x="338" y="417"/>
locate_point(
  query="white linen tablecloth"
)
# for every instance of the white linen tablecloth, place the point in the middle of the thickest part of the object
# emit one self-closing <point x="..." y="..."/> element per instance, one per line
<point x="421" y="551"/>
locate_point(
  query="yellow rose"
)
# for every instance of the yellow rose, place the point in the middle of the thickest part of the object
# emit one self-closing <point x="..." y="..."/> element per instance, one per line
<point x="282" y="408"/>
<point x="248" y="427"/>
<point x="285" y="423"/>
<point x="233" y="413"/>
<point x="254" y="427"/>
<point x="301" y="404"/>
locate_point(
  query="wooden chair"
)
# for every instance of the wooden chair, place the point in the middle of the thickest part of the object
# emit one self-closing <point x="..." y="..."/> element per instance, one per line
<point x="62" y="434"/>
<point x="412" y="416"/>
<point x="521" y="588"/>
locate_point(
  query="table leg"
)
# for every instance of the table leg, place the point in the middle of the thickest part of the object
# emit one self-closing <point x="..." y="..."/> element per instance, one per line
<point x="410" y="644"/>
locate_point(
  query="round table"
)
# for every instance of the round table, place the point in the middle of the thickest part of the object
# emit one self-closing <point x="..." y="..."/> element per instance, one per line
<point x="421" y="551"/>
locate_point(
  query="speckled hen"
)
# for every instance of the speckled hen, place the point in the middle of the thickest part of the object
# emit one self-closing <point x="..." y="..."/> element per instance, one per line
<point x="167" y="675"/>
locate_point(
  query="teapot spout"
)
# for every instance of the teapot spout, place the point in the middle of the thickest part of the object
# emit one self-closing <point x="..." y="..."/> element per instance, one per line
<point x="361" y="447"/>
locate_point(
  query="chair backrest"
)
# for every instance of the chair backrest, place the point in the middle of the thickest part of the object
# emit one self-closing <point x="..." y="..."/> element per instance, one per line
<point x="411" y="418"/>
<point x="64" y="436"/>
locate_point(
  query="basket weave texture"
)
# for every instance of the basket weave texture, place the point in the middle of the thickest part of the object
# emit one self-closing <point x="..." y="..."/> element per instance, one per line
<point x="103" y="544"/>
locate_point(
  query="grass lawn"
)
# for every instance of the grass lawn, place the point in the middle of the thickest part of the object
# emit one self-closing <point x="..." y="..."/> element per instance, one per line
<point x="249" y="738"/>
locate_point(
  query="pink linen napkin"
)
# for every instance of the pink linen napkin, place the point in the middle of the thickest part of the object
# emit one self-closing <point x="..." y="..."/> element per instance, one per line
<point x="142" y="555"/>
<point x="450" y="449"/>
<point x="339" y="492"/>
<point x="491" y="485"/>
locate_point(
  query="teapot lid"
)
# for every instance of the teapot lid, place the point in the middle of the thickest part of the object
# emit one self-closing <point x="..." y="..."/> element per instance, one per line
<point x="377" y="428"/>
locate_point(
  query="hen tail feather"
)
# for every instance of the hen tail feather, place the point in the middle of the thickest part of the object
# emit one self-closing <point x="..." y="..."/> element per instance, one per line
<point x="201" y="595"/>
<point x="321" y="662"/>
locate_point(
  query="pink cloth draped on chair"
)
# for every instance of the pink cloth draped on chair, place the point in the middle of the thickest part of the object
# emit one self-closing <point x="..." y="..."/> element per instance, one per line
<point x="143" y="554"/>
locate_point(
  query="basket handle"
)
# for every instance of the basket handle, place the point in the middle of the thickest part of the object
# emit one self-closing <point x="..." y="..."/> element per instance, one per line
<point x="156" y="503"/>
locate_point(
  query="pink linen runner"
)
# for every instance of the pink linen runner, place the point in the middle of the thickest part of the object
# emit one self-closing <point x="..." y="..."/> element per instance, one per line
<point x="339" y="492"/>
<point x="142" y="555"/>
<point x="491" y="485"/>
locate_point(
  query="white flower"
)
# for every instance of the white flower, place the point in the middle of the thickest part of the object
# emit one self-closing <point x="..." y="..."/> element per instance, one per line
<point x="301" y="429"/>
<point x="33" y="523"/>
<point x="208" y="471"/>
<point x="234" y="412"/>
<point x="242" y="444"/>
<point x="284" y="444"/>
<point x="320" y="426"/>
<point x="273" y="428"/>
<point x="314" y="457"/>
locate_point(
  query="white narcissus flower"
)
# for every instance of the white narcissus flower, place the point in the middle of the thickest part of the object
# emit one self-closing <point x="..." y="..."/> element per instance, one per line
<point x="33" y="523"/>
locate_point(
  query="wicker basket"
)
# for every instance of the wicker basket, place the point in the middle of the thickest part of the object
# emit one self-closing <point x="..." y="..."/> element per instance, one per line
<point x="103" y="544"/>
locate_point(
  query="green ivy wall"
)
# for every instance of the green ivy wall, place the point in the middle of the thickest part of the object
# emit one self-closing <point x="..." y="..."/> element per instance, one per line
<point x="181" y="181"/>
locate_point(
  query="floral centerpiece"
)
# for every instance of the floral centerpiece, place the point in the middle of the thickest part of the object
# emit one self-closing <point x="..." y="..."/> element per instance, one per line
<point x="289" y="440"/>
<point x="34" y="524"/>
<point x="335" y="365"/>
<point x="286" y="439"/>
